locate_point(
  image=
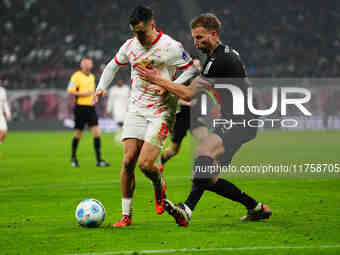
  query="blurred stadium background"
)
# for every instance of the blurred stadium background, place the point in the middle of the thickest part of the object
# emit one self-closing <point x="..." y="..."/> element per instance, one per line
<point x="43" y="41"/>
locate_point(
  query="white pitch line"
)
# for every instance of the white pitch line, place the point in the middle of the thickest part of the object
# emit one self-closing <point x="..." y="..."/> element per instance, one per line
<point x="210" y="249"/>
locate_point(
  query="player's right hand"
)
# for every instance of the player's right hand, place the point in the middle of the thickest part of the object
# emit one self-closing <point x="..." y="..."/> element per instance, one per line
<point x="98" y="94"/>
<point x="147" y="74"/>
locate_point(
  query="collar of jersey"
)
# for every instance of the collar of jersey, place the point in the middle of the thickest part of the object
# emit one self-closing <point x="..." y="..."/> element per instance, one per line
<point x="160" y="33"/>
<point x="215" y="50"/>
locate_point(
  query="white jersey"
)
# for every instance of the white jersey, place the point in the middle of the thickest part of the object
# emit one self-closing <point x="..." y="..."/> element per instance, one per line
<point x="4" y="108"/>
<point x="166" y="55"/>
<point x="117" y="103"/>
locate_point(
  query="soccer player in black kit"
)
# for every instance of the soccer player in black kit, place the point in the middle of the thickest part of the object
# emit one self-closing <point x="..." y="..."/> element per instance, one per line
<point x="219" y="146"/>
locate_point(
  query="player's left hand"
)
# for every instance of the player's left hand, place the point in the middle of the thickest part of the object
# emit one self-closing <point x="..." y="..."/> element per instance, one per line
<point x="147" y="74"/>
<point x="98" y="93"/>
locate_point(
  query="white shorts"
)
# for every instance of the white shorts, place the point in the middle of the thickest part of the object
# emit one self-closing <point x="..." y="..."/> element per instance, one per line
<point x="3" y="123"/>
<point x="149" y="128"/>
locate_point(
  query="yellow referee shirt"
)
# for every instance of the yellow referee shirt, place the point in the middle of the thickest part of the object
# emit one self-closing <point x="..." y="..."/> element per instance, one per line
<point x="80" y="82"/>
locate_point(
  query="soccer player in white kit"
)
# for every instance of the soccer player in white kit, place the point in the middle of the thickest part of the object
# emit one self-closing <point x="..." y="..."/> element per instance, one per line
<point x="151" y="113"/>
<point x="5" y="114"/>
<point x="117" y="103"/>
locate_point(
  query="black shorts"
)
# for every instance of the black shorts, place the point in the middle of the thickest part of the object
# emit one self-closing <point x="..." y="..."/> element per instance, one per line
<point x="84" y="115"/>
<point x="185" y="121"/>
<point x="182" y="125"/>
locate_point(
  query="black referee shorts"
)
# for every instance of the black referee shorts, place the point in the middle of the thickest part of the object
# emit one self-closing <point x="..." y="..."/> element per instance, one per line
<point x="85" y="115"/>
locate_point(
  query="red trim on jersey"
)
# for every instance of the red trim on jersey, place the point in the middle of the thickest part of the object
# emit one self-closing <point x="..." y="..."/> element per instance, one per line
<point x="186" y="66"/>
<point x="160" y="32"/>
<point x="159" y="111"/>
<point x="163" y="133"/>
<point x="118" y="63"/>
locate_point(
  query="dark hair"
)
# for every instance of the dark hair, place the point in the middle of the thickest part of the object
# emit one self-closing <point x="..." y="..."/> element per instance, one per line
<point x="207" y="20"/>
<point x="141" y="13"/>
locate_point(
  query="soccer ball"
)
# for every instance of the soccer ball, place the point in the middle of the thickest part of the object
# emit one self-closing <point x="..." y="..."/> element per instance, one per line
<point x="90" y="213"/>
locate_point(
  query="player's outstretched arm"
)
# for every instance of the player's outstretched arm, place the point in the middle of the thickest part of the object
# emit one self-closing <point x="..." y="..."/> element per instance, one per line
<point x="184" y="92"/>
<point x="106" y="78"/>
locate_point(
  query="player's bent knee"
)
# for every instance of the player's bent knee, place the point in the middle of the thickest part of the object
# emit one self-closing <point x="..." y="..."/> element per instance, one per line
<point x="209" y="145"/>
<point x="145" y="165"/>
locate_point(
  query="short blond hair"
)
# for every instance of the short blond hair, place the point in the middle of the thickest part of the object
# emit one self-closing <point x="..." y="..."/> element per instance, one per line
<point x="207" y="20"/>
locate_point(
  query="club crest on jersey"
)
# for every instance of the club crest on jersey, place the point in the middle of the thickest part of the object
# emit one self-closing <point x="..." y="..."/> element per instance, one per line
<point x="185" y="56"/>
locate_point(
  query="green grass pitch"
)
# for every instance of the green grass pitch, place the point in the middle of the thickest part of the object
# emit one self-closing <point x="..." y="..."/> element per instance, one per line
<point x="39" y="192"/>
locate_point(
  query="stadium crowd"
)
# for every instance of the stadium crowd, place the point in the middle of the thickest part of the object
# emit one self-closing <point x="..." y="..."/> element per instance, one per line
<point x="43" y="41"/>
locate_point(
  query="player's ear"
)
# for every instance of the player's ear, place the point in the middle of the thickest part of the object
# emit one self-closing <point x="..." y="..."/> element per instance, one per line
<point x="213" y="33"/>
<point x="153" y="24"/>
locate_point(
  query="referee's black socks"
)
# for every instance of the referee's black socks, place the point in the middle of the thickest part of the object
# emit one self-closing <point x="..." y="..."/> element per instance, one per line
<point x="75" y="143"/>
<point x="96" y="143"/>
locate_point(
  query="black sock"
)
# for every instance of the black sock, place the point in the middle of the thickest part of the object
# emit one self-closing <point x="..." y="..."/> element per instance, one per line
<point x="200" y="182"/>
<point x="96" y="142"/>
<point x="227" y="189"/>
<point x="195" y="195"/>
<point x="75" y="143"/>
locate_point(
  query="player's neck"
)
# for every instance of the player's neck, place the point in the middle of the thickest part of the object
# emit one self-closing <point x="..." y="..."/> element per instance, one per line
<point x="152" y="38"/>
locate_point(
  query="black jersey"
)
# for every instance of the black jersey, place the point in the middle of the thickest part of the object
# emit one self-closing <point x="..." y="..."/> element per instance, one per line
<point x="225" y="62"/>
<point x="225" y="66"/>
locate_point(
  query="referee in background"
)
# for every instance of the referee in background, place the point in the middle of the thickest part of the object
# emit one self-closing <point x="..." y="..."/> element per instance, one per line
<point x="82" y="86"/>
